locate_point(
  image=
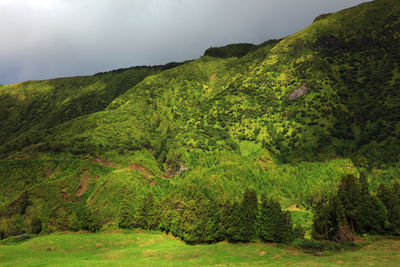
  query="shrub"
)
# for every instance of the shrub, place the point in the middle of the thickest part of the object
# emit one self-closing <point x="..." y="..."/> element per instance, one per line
<point x="126" y="214"/>
<point x="89" y="219"/>
<point x="33" y="225"/>
<point x="12" y="226"/>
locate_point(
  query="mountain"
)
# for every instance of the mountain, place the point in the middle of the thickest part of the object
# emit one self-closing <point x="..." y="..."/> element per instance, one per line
<point x="287" y="117"/>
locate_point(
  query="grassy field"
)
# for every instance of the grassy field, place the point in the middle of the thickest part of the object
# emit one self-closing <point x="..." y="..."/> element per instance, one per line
<point x="156" y="249"/>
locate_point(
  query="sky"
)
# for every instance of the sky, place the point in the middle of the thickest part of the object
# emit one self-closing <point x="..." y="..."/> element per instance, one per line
<point x="42" y="39"/>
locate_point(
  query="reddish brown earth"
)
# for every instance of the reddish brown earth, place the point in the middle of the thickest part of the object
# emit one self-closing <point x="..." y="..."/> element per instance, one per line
<point x="84" y="183"/>
<point x="293" y="208"/>
<point x="134" y="166"/>
<point x="102" y="162"/>
<point x="148" y="174"/>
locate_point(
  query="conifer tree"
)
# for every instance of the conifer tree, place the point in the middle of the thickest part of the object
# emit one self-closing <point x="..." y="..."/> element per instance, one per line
<point x="298" y="232"/>
<point x="323" y="221"/>
<point x="33" y="225"/>
<point x="168" y="212"/>
<point x="341" y="227"/>
<point x="90" y="219"/>
<point x="234" y="223"/>
<point x="349" y="193"/>
<point x="189" y="223"/>
<point x="275" y="225"/>
<point x="214" y="214"/>
<point x="266" y="220"/>
<point x="248" y="216"/>
<point x="146" y="216"/>
<point x="385" y="195"/>
<point x="391" y="201"/>
<point x="224" y="220"/>
<point x="125" y="216"/>
<point x="395" y="207"/>
<point x="287" y="230"/>
<point x="372" y="214"/>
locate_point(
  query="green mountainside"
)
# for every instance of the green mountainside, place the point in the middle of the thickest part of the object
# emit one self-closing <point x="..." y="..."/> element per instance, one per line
<point x="287" y="118"/>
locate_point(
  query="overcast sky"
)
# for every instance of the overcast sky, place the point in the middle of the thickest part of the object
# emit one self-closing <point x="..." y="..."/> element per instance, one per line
<point x="41" y="39"/>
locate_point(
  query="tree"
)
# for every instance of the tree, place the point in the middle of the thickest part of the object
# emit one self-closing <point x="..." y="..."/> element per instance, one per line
<point x="234" y="224"/>
<point x="391" y="201"/>
<point x="287" y="227"/>
<point x="275" y="225"/>
<point x="33" y="225"/>
<point x="214" y="214"/>
<point x="323" y="224"/>
<point x="267" y="220"/>
<point x="89" y="218"/>
<point x="341" y="227"/>
<point x="125" y="216"/>
<point x="372" y="214"/>
<point x="298" y="232"/>
<point x="169" y="214"/>
<point x="224" y="221"/>
<point x="248" y="216"/>
<point x="349" y="193"/>
<point x="147" y="216"/>
<point x="23" y="203"/>
<point x="12" y="226"/>
<point x="194" y="222"/>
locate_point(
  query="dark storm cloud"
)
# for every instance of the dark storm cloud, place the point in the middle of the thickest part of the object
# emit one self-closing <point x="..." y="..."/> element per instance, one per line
<point x="41" y="39"/>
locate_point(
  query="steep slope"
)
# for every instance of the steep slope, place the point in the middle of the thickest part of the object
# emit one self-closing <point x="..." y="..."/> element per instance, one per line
<point x="28" y="109"/>
<point x="347" y="62"/>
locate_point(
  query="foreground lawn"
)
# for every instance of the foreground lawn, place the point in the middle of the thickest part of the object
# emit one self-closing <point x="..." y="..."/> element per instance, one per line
<point x="158" y="249"/>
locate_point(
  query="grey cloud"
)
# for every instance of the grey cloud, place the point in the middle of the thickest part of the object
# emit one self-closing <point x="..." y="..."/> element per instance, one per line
<point x="43" y="39"/>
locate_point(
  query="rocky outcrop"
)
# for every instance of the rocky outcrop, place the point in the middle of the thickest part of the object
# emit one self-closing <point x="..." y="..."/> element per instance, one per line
<point x="299" y="92"/>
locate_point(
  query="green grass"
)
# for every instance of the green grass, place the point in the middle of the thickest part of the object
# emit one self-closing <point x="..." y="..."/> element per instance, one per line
<point x="157" y="249"/>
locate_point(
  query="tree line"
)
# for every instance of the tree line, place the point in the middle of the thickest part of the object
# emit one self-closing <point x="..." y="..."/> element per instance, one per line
<point x="201" y="220"/>
<point x="352" y="210"/>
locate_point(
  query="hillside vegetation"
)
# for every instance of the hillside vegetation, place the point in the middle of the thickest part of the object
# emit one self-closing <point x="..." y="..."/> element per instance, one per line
<point x="288" y="118"/>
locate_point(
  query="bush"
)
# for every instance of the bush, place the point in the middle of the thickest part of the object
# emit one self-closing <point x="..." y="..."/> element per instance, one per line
<point x="126" y="215"/>
<point x="298" y="232"/>
<point x="89" y="219"/>
<point x="33" y="225"/>
<point x="12" y="226"/>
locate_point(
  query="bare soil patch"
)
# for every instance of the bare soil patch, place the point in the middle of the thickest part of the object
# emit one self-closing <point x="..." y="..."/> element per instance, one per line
<point x="84" y="183"/>
<point x="134" y="166"/>
<point x="293" y="208"/>
<point x="102" y="162"/>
